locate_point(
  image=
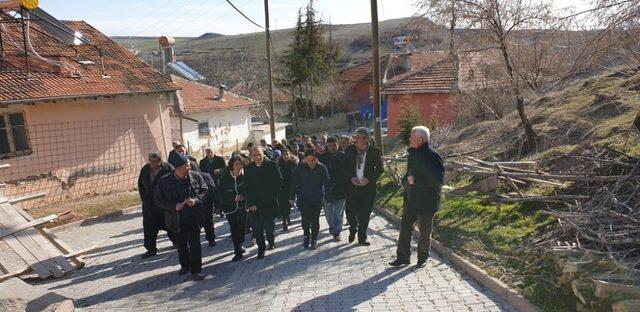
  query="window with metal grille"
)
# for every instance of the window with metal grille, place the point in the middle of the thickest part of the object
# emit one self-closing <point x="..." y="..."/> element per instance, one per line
<point x="14" y="139"/>
<point x="203" y="129"/>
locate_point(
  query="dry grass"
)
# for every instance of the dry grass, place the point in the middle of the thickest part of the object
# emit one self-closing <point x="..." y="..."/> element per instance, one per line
<point x="89" y="207"/>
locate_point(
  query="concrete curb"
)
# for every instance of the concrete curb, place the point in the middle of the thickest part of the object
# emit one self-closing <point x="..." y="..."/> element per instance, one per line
<point x="75" y="224"/>
<point x="501" y="289"/>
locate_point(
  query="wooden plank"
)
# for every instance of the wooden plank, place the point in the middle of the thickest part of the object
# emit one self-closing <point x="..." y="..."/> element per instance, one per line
<point x="25" y="255"/>
<point x="26" y="197"/>
<point x="28" y="238"/>
<point x="53" y="239"/>
<point x="27" y="225"/>
<point x="14" y="274"/>
<point x="3" y="166"/>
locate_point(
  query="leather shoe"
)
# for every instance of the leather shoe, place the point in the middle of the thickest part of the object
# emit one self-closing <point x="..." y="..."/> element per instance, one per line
<point x="260" y="254"/>
<point x="352" y="237"/>
<point x="237" y="258"/>
<point x="364" y="243"/>
<point x="398" y="262"/>
<point x="183" y="271"/>
<point x="212" y="243"/>
<point x="305" y="243"/>
<point x="148" y="254"/>
<point x="197" y="276"/>
<point x="271" y="246"/>
<point x="314" y="245"/>
<point x="421" y="264"/>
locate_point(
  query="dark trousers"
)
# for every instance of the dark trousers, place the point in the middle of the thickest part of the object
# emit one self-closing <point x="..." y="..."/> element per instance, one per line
<point x="310" y="212"/>
<point x="151" y="225"/>
<point x="209" y="229"/>
<point x="425" y="225"/>
<point x="237" y="222"/>
<point x="358" y="207"/>
<point x="263" y="227"/>
<point x="285" y="207"/>
<point x="189" y="251"/>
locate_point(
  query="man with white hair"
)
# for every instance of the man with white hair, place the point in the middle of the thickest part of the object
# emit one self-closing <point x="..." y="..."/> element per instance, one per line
<point x="363" y="164"/>
<point x="422" y="185"/>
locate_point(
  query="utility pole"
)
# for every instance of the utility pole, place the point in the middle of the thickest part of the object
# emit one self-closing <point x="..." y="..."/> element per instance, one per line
<point x="272" y="126"/>
<point x="375" y="45"/>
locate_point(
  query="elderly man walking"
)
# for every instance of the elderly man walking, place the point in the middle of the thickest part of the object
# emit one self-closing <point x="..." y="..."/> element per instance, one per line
<point x="262" y="181"/>
<point x="423" y="185"/>
<point x="152" y="215"/>
<point x="181" y="194"/>
<point x="334" y="209"/>
<point x="363" y="164"/>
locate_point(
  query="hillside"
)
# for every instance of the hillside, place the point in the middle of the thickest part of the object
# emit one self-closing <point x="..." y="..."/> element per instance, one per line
<point x="353" y="39"/>
<point x="587" y="126"/>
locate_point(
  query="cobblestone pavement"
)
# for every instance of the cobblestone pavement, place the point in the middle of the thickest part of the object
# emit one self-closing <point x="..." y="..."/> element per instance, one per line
<point x="336" y="277"/>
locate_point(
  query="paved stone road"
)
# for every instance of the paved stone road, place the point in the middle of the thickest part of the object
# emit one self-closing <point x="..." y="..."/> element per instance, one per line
<point x="335" y="277"/>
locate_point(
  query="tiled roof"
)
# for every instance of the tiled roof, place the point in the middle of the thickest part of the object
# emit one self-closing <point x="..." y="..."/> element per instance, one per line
<point x="391" y="66"/>
<point x="262" y="94"/>
<point x="195" y="97"/>
<point x="127" y="74"/>
<point x="436" y="78"/>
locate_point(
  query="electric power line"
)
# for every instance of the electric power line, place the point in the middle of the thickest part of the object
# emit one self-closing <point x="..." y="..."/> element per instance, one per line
<point x="241" y="13"/>
<point x="203" y="13"/>
<point x="214" y="20"/>
<point x="147" y="15"/>
<point x="170" y="22"/>
<point x="161" y="20"/>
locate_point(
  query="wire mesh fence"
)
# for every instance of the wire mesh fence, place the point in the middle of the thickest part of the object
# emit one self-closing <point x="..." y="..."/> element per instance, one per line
<point x="72" y="160"/>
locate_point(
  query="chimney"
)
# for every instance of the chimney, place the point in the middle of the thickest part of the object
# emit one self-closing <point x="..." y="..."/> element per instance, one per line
<point x="221" y="88"/>
<point x="405" y="61"/>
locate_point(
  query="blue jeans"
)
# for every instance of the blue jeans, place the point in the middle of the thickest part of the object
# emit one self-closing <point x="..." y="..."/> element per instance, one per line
<point x="334" y="212"/>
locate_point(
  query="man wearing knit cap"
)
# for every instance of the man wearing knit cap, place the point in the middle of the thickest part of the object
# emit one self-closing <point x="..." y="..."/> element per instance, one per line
<point x="181" y="194"/>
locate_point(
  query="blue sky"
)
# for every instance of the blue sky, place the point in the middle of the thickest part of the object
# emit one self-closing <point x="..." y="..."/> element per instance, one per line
<point x="194" y="17"/>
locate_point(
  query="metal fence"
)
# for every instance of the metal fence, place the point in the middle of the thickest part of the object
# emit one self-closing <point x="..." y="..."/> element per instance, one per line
<point x="72" y="160"/>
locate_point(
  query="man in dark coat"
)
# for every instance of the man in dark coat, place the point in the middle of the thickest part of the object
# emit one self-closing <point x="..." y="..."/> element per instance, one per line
<point x="181" y="194"/>
<point x="262" y="181"/>
<point x="364" y="167"/>
<point x="208" y="207"/>
<point x="193" y="162"/>
<point x="423" y="187"/>
<point x="213" y="165"/>
<point x="152" y="215"/>
<point x="334" y="209"/>
<point x="311" y="185"/>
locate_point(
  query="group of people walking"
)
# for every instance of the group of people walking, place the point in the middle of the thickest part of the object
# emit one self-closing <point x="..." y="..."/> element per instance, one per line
<point x="181" y="196"/>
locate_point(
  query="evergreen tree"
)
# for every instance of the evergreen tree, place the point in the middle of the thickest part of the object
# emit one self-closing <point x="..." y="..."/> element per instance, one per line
<point x="410" y="117"/>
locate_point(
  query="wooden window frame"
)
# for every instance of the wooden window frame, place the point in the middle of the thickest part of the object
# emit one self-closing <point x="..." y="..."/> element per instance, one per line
<point x="10" y="139"/>
<point x="200" y="134"/>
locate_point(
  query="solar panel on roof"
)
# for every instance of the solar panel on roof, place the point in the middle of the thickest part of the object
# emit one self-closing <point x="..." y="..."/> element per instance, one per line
<point x="56" y="28"/>
<point x="186" y="71"/>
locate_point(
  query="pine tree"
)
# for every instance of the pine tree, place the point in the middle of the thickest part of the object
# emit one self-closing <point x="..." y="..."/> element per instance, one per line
<point x="410" y="117"/>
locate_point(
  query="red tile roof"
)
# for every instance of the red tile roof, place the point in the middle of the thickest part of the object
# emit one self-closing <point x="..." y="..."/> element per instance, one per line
<point x="262" y="94"/>
<point x="195" y="97"/>
<point x="436" y="78"/>
<point x="391" y="66"/>
<point x="127" y="74"/>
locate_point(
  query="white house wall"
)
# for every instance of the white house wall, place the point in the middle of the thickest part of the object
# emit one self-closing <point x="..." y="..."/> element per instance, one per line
<point x="228" y="129"/>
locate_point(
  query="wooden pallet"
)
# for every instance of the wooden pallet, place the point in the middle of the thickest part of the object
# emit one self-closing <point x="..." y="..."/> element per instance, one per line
<point x="41" y="251"/>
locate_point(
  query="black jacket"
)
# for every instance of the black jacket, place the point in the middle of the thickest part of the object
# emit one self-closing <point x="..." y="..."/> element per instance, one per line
<point x="147" y="188"/>
<point x="210" y="198"/>
<point x="310" y="185"/>
<point x="337" y="172"/>
<point x="286" y="169"/>
<point x="167" y="196"/>
<point x="227" y="190"/>
<point x="194" y="163"/>
<point x="209" y="166"/>
<point x="373" y="167"/>
<point x="427" y="169"/>
<point x="263" y="186"/>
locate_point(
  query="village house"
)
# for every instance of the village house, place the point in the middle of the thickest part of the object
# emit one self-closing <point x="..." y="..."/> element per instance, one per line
<point x="79" y="118"/>
<point x="205" y="116"/>
<point x="429" y="79"/>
